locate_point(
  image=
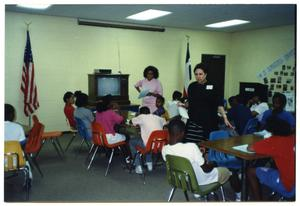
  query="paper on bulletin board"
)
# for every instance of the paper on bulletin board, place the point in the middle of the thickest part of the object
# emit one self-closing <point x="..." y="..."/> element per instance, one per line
<point x="290" y="101"/>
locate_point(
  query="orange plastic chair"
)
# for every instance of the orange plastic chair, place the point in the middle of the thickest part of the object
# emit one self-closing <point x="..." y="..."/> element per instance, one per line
<point x="14" y="163"/>
<point x="155" y="143"/>
<point x="53" y="137"/>
<point x="100" y="140"/>
<point x="34" y="142"/>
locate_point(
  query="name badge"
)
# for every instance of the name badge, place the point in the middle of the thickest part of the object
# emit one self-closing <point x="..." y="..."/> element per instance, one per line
<point x="209" y="87"/>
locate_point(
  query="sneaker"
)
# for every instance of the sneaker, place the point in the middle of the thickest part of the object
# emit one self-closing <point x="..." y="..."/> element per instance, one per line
<point x="128" y="160"/>
<point x="138" y="169"/>
<point x="237" y="196"/>
<point x="149" y="166"/>
<point x="197" y="196"/>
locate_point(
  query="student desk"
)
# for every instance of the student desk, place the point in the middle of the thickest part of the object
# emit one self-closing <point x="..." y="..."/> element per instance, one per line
<point x="225" y="146"/>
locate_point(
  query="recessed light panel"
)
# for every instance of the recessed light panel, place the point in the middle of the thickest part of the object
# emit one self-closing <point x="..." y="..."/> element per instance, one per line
<point x="34" y="6"/>
<point x="229" y="23"/>
<point x="148" y="15"/>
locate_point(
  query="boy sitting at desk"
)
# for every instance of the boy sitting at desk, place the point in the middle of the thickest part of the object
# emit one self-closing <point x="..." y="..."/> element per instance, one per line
<point x="205" y="173"/>
<point x="161" y="111"/>
<point x="281" y="148"/>
<point x="148" y="123"/>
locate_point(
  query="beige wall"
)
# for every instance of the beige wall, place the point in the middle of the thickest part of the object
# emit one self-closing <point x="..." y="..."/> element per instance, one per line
<point x="253" y="51"/>
<point x="64" y="53"/>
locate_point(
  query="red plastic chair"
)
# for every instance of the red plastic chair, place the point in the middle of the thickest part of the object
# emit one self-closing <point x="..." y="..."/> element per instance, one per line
<point x="155" y="143"/>
<point x="100" y="140"/>
<point x="34" y="142"/>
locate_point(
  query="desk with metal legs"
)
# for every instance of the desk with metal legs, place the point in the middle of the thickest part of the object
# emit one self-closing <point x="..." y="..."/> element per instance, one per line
<point x="225" y="146"/>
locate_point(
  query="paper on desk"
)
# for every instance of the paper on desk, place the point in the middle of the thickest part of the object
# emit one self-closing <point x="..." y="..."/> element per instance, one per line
<point x="143" y="93"/>
<point x="183" y="112"/>
<point x="242" y="148"/>
<point x="264" y="133"/>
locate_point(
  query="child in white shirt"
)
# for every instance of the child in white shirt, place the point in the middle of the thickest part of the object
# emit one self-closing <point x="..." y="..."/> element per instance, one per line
<point x="148" y="123"/>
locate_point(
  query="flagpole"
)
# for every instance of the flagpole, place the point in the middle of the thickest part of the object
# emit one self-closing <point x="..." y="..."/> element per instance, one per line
<point x="27" y="29"/>
<point x="187" y="38"/>
<point x="188" y="75"/>
<point x="27" y="25"/>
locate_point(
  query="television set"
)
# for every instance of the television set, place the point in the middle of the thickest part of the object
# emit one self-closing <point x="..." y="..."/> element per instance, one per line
<point x="108" y="85"/>
<point x="101" y="85"/>
<point x="249" y="89"/>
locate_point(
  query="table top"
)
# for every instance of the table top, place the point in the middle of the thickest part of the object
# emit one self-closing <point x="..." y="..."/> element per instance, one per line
<point x="225" y="146"/>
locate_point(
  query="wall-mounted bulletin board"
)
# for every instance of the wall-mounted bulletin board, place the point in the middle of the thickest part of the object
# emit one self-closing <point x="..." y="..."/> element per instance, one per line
<point x="280" y="76"/>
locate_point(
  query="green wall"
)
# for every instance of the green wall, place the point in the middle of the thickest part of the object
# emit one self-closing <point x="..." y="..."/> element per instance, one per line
<point x="64" y="53"/>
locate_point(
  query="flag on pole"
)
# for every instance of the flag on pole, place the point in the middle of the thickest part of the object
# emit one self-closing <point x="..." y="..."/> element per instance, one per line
<point x="188" y="71"/>
<point x="28" y="86"/>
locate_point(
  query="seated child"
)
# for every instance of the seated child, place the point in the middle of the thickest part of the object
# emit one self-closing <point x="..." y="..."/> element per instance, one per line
<point x="239" y="114"/>
<point x="12" y="131"/>
<point x="148" y="123"/>
<point x="69" y="108"/>
<point x="107" y="100"/>
<point x="281" y="148"/>
<point x="161" y="111"/>
<point x="108" y="119"/>
<point x="83" y="113"/>
<point x="257" y="107"/>
<point x="173" y="105"/>
<point x="206" y="173"/>
<point x="279" y="102"/>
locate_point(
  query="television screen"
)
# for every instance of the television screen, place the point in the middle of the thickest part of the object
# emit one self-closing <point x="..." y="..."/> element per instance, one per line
<point x="108" y="85"/>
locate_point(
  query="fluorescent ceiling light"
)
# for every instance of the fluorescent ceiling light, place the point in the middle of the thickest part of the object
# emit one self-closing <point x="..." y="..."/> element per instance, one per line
<point x="148" y="14"/>
<point x="34" y="6"/>
<point x="229" y="23"/>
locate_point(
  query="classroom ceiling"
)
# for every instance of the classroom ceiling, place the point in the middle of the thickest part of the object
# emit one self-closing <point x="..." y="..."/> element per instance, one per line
<point x="188" y="16"/>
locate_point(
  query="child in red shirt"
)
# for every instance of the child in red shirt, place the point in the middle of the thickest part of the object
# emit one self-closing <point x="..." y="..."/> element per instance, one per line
<point x="69" y="108"/>
<point x="281" y="148"/>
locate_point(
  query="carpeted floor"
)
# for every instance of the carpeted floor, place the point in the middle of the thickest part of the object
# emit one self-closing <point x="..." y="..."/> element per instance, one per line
<point x="68" y="180"/>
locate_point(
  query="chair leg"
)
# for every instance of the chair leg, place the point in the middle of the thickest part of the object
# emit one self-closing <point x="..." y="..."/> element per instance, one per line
<point x="36" y="165"/>
<point x="110" y="158"/>
<point x="27" y="182"/>
<point x="56" y="148"/>
<point x="92" y="159"/>
<point x="90" y="151"/>
<point x="80" y="146"/>
<point x="59" y="145"/>
<point x="222" y="193"/>
<point x="70" y="143"/>
<point x="87" y="143"/>
<point x="43" y="142"/>
<point x="186" y="196"/>
<point x="171" y="194"/>
<point x="142" y="161"/>
<point x="91" y="148"/>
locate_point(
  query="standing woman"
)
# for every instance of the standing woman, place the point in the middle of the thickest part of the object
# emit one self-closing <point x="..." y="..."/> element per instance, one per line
<point x="152" y="84"/>
<point x="204" y="103"/>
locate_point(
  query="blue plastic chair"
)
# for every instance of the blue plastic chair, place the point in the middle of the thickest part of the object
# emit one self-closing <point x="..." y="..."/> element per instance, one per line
<point x="222" y="159"/>
<point x="251" y="126"/>
<point x="83" y="133"/>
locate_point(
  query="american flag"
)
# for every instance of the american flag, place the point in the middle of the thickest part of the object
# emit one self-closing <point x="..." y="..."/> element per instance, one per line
<point x="28" y="86"/>
<point x="188" y="72"/>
